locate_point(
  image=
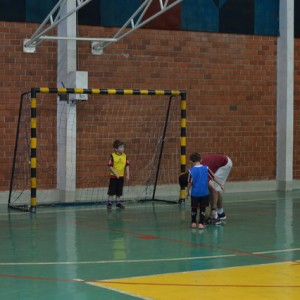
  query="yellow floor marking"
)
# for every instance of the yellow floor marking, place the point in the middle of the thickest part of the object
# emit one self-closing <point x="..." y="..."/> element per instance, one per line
<point x="260" y="282"/>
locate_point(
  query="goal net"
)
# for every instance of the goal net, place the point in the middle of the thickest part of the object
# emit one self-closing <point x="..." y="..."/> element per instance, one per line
<point x="150" y="122"/>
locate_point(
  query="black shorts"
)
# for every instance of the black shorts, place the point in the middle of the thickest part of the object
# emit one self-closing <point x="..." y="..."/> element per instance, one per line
<point x="115" y="186"/>
<point x="200" y="201"/>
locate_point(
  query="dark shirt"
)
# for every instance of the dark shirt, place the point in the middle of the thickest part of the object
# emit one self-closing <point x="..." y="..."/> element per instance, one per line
<point x="214" y="161"/>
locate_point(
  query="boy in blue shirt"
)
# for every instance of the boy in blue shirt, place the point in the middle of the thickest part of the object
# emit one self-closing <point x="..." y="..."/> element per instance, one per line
<point x="198" y="180"/>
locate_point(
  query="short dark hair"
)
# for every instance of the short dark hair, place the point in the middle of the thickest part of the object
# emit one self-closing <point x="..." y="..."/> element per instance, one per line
<point x="117" y="144"/>
<point x="195" y="156"/>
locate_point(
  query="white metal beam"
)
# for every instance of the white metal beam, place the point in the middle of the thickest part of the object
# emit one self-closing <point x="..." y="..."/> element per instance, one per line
<point x="135" y="21"/>
<point x="55" y="17"/>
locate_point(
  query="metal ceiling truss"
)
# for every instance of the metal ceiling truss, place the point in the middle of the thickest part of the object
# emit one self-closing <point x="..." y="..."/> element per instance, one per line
<point x="136" y="21"/>
<point x="56" y="16"/>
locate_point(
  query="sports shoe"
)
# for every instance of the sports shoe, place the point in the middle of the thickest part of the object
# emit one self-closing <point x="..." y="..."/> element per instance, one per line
<point x="212" y="221"/>
<point x="201" y="226"/>
<point x="120" y="205"/>
<point x="181" y="202"/>
<point x="194" y="225"/>
<point x="222" y="216"/>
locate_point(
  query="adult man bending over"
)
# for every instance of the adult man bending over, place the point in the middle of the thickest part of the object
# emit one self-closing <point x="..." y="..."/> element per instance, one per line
<point x="221" y="166"/>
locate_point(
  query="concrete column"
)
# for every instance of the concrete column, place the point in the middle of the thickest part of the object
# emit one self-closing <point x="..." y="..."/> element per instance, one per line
<point x="285" y="96"/>
<point x="66" y="113"/>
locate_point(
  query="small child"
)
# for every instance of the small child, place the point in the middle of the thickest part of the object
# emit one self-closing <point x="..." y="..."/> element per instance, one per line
<point x="198" y="179"/>
<point x="118" y="165"/>
<point x="213" y="218"/>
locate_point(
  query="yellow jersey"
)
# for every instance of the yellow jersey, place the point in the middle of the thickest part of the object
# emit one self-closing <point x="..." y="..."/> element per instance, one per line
<point x="119" y="163"/>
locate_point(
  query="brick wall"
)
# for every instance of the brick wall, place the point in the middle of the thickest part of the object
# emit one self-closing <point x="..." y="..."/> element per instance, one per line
<point x="230" y="82"/>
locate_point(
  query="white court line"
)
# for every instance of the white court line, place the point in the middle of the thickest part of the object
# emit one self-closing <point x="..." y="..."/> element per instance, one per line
<point x="140" y="260"/>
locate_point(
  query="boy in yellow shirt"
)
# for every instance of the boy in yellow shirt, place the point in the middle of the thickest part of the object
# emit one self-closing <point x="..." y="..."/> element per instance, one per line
<point x="119" y="168"/>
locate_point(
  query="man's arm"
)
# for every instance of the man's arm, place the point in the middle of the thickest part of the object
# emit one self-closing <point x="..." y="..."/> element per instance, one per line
<point x="215" y="179"/>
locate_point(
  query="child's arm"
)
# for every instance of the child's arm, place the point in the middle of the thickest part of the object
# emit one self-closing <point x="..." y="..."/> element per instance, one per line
<point x="111" y="168"/>
<point x="113" y="171"/>
<point x="188" y="189"/>
<point x="189" y="185"/>
<point x="127" y="172"/>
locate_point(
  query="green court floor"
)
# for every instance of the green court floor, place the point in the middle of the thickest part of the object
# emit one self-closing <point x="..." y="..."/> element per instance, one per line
<point x="149" y="251"/>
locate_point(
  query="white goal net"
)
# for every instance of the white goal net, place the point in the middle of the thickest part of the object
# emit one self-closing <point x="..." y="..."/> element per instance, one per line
<point x="149" y="122"/>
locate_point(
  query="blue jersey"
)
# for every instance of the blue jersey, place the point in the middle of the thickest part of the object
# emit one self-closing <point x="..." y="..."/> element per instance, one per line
<point x="199" y="176"/>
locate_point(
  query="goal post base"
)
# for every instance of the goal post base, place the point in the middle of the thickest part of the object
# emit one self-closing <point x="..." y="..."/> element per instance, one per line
<point x="24" y="208"/>
<point x="158" y="200"/>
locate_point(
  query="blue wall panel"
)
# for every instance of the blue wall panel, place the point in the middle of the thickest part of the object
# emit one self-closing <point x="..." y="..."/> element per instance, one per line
<point x="297" y="19"/>
<point x="200" y="15"/>
<point x="11" y="11"/>
<point x="230" y="16"/>
<point x="90" y="14"/>
<point x="37" y="11"/>
<point x="237" y="16"/>
<point x="266" y="17"/>
<point x="117" y="12"/>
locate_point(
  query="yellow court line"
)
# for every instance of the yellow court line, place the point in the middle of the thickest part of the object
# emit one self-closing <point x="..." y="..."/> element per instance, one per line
<point x="259" y="282"/>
